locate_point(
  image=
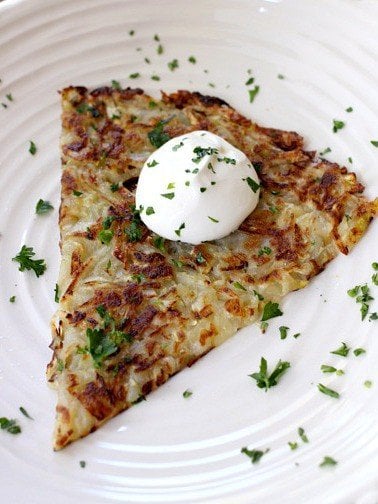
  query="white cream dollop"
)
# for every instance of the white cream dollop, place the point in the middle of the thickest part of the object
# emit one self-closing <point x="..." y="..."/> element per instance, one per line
<point x="196" y="187"/>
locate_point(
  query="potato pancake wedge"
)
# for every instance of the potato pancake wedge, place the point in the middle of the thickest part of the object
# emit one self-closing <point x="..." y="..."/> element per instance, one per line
<point x="135" y="308"/>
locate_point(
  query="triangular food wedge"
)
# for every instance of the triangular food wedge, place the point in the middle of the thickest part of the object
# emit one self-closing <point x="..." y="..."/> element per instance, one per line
<point x="134" y="308"/>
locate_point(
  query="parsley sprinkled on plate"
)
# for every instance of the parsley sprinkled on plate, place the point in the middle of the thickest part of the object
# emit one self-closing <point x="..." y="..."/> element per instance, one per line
<point x="43" y="207"/>
<point x="343" y="350"/>
<point x="328" y="461"/>
<point x="271" y="310"/>
<point x="283" y="332"/>
<point x="116" y="85"/>
<point x="192" y="60"/>
<point x="25" y="413"/>
<point x="349" y="109"/>
<point x="168" y="195"/>
<point x="252" y="93"/>
<point x="359" y="351"/>
<point x="374" y="142"/>
<point x="24" y="258"/>
<point x="250" y="81"/>
<point x="12" y="299"/>
<point x="337" y="125"/>
<point x="155" y="77"/>
<point x="263" y="379"/>
<point x="150" y="210"/>
<point x="254" y="455"/>
<point x="327" y="391"/>
<point x="293" y="445"/>
<point x="32" y="148"/>
<point x="327" y="150"/>
<point x="302" y="435"/>
<point x="134" y="75"/>
<point x="172" y="65"/>
<point x="187" y="393"/>
<point x="10" y="426"/>
<point x="178" y="231"/>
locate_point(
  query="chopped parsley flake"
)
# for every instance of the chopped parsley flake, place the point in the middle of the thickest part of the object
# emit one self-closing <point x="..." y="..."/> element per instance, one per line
<point x="134" y="75"/>
<point x="178" y="231"/>
<point x="201" y="152"/>
<point x="374" y="279"/>
<point x="60" y="365"/>
<point x="264" y="250"/>
<point x="238" y="285"/>
<point x="328" y="461"/>
<point x="25" y="413"/>
<point x="266" y="381"/>
<point x="155" y="77"/>
<point x="252" y="184"/>
<point x="328" y="369"/>
<point x="177" y="146"/>
<point x="56" y="293"/>
<point x="273" y="209"/>
<point x="9" y="425"/>
<point x="325" y="151"/>
<point x="283" y="332"/>
<point x="139" y="278"/>
<point x="132" y="33"/>
<point x="293" y="445"/>
<point x="259" y="296"/>
<point x="114" y="187"/>
<point x="187" y="393"/>
<point x="157" y="135"/>
<point x="82" y="464"/>
<point x="134" y="231"/>
<point x="152" y="163"/>
<point x="12" y="299"/>
<point x="350" y="160"/>
<point x="77" y="193"/>
<point x="271" y="310"/>
<point x="250" y="81"/>
<point x="368" y="383"/>
<point x="252" y="93"/>
<point x="210" y="167"/>
<point x="9" y="97"/>
<point x="227" y="160"/>
<point x="212" y="219"/>
<point x="359" y="351"/>
<point x="254" y="455"/>
<point x="343" y="350"/>
<point x="172" y="65"/>
<point x="105" y="236"/>
<point x="302" y="435"/>
<point x="187" y="183"/>
<point x="159" y="243"/>
<point x="192" y="60"/>
<point x="160" y="49"/>
<point x="374" y="142"/>
<point x="32" y="148"/>
<point x="116" y="85"/>
<point x="327" y="391"/>
<point x="202" y="189"/>
<point x="150" y="210"/>
<point x="156" y="38"/>
<point x="171" y="185"/>
<point x="280" y="76"/>
<point x="168" y="195"/>
<point x="337" y="125"/>
<point x="24" y="258"/>
<point x="43" y="207"/>
<point x="349" y="109"/>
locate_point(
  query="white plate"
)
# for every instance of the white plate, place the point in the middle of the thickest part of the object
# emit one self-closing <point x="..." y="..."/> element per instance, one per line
<point x="169" y="449"/>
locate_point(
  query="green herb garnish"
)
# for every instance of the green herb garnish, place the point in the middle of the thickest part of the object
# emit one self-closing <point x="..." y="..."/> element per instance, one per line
<point x="168" y="195"/>
<point x="250" y="81"/>
<point x="56" y="293"/>
<point x="150" y="210"/>
<point x="328" y="461"/>
<point x="252" y="93"/>
<point x="337" y="125"/>
<point x="158" y="136"/>
<point x="192" y="60"/>
<point x="254" y="455"/>
<point x="134" y="75"/>
<point x="238" y="285"/>
<point x="293" y="445"/>
<point x="349" y="109"/>
<point x="25" y="413"/>
<point x="159" y="243"/>
<point x="172" y="65"/>
<point x="264" y="250"/>
<point x="359" y="351"/>
<point x="283" y="332"/>
<point x="201" y="152"/>
<point x="178" y="231"/>
<point x="266" y="381"/>
<point x="187" y="393"/>
<point x="343" y="350"/>
<point x="82" y="463"/>
<point x="105" y="236"/>
<point x="271" y="310"/>
<point x="302" y="435"/>
<point x="9" y="425"/>
<point x="77" y="193"/>
<point x="327" y="391"/>
<point x="12" y="299"/>
<point x="32" y="148"/>
<point x="152" y="163"/>
<point x="252" y="184"/>
<point x="116" y="85"/>
<point x="212" y="219"/>
<point x="374" y="142"/>
<point x="24" y="258"/>
<point x="43" y="207"/>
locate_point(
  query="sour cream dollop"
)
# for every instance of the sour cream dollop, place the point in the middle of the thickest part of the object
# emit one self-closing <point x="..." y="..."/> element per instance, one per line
<point x="196" y="187"/>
